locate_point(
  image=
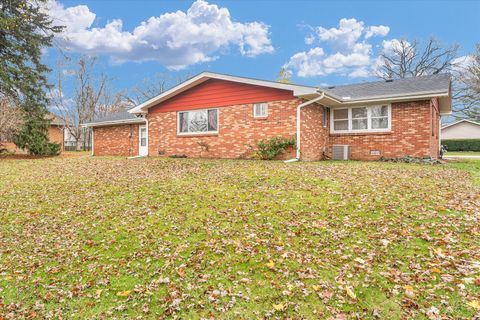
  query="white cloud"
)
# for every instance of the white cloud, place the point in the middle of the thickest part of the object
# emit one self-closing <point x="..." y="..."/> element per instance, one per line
<point x="461" y="63"/>
<point x="176" y="39"/>
<point x="349" y="53"/>
<point x="381" y="31"/>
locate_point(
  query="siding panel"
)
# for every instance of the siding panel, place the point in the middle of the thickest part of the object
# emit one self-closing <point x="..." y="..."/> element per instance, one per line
<point x="218" y="93"/>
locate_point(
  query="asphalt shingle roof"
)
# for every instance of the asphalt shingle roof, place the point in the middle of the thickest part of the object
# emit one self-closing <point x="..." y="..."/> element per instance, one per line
<point x="407" y="86"/>
<point x="117" y="116"/>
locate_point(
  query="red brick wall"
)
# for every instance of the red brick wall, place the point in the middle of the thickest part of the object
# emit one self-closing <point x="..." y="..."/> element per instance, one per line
<point x="314" y="135"/>
<point x="55" y="134"/>
<point x="411" y="134"/>
<point x="238" y="131"/>
<point x="120" y="140"/>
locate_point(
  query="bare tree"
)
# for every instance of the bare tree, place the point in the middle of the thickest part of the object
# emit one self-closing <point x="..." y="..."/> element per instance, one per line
<point x="11" y="119"/>
<point x="92" y="97"/>
<point x="412" y="59"/>
<point x="467" y="87"/>
<point x="152" y="87"/>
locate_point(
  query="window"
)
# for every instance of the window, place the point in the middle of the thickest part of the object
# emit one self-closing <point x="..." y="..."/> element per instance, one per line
<point x="340" y="119"/>
<point x="379" y="117"/>
<point x="143" y="137"/>
<point x="361" y="119"/>
<point x="260" y="110"/>
<point x="198" y="121"/>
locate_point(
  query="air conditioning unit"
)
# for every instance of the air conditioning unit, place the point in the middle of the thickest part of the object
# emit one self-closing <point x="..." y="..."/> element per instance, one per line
<point x="340" y="152"/>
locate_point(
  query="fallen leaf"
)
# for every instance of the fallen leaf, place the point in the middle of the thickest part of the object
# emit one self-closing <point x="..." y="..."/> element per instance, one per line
<point x="316" y="288"/>
<point x="409" y="291"/>
<point x="278" y="307"/>
<point x="436" y="270"/>
<point x="123" y="293"/>
<point x="351" y="293"/>
<point x="271" y="264"/>
<point x="181" y="272"/>
<point x="474" y="304"/>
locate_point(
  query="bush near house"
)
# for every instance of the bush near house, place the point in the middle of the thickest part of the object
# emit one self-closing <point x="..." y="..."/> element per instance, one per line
<point x="269" y="149"/>
<point x="462" y="144"/>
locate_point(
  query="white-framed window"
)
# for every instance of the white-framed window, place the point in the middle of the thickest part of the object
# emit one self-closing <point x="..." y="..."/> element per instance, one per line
<point x="260" y="110"/>
<point x="361" y="119"/>
<point x="197" y="121"/>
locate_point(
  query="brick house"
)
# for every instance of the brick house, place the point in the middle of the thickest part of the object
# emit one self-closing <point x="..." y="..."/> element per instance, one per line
<point x="55" y="134"/>
<point x="221" y="116"/>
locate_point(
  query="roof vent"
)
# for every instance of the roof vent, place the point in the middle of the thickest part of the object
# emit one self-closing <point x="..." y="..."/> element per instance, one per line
<point x="389" y="80"/>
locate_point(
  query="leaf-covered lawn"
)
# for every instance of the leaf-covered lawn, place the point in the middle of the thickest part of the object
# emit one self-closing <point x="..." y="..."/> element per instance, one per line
<point x="180" y="238"/>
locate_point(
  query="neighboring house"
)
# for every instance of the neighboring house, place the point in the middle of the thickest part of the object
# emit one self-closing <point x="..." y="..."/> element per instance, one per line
<point x="55" y="133"/>
<point x="55" y="130"/>
<point x="70" y="142"/>
<point x="462" y="129"/>
<point x="222" y="116"/>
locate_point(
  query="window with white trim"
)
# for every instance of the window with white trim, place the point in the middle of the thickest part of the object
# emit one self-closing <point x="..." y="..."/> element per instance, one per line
<point x="361" y="119"/>
<point x="197" y="121"/>
<point x="260" y="110"/>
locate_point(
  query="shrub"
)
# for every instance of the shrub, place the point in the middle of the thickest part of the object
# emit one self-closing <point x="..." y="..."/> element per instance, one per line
<point x="268" y="149"/>
<point x="462" y="144"/>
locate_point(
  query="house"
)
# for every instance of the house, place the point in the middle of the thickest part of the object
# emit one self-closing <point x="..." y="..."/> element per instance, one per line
<point x="222" y="116"/>
<point x="56" y="129"/>
<point x="462" y="129"/>
<point x="55" y="133"/>
<point x="71" y="143"/>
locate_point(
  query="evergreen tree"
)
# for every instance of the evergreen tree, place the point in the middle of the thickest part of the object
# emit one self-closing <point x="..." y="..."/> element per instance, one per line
<point x="24" y="30"/>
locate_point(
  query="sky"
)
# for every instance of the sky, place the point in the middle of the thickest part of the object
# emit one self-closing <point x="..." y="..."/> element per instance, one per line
<point x="318" y="42"/>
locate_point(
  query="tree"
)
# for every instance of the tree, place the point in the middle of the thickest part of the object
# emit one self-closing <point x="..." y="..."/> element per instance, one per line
<point x="152" y="87"/>
<point x="11" y="119"/>
<point x="91" y="98"/>
<point x="284" y="75"/>
<point x="467" y="87"/>
<point x="412" y="59"/>
<point x="24" y="30"/>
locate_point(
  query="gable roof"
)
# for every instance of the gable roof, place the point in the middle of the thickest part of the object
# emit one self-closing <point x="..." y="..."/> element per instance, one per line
<point x="408" y="89"/>
<point x="460" y="121"/>
<point x="115" y="118"/>
<point x="54" y="119"/>
<point x="298" y="90"/>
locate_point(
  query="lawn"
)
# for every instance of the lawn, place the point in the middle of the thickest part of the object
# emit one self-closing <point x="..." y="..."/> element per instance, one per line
<point x="180" y="238"/>
<point x="462" y="153"/>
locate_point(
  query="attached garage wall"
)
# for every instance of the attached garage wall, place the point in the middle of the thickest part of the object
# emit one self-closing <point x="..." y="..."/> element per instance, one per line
<point x="119" y="140"/>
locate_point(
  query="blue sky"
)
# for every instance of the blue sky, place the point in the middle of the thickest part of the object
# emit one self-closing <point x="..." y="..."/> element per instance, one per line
<point x="320" y="42"/>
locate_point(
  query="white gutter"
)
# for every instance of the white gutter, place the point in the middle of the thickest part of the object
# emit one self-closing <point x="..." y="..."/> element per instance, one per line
<point x="392" y="98"/>
<point x="299" y="109"/>
<point x="113" y="122"/>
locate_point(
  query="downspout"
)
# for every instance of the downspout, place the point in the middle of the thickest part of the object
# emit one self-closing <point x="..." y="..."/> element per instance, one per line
<point x="299" y="109"/>
<point x="92" y="142"/>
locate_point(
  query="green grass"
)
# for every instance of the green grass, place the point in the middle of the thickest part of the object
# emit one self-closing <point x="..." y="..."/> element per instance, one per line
<point x="462" y="153"/>
<point x="470" y="165"/>
<point x="183" y="238"/>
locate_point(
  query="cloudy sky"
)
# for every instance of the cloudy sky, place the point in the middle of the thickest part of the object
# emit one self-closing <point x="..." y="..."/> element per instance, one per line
<point x="320" y="42"/>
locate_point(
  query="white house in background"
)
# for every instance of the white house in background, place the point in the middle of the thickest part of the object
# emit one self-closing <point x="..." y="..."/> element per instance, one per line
<point x="462" y="129"/>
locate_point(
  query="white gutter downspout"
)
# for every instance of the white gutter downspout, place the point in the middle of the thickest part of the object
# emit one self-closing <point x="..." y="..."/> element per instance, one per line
<point x="299" y="109"/>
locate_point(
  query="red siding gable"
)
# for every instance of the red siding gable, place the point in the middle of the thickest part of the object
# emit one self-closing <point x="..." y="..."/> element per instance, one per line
<point x="218" y="93"/>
